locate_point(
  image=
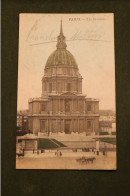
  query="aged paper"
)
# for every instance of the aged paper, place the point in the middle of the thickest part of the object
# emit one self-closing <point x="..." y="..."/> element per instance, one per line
<point x="66" y="115"/>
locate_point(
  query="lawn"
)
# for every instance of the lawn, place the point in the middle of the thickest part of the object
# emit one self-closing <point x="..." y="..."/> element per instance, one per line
<point x="108" y="140"/>
<point x="59" y="143"/>
<point x="45" y="143"/>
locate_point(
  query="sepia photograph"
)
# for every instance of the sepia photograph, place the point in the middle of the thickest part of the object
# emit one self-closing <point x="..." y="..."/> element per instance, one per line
<point x="66" y="108"/>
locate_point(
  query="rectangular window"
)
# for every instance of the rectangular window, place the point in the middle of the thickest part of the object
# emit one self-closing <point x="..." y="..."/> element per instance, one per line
<point x="43" y="126"/>
<point x="68" y="87"/>
<point x="44" y="86"/>
<point x="59" y="86"/>
<point x="54" y="126"/>
<point x="88" y="107"/>
<point x="50" y="87"/>
<point x="89" y="124"/>
<point x="67" y="105"/>
<point x="43" y="107"/>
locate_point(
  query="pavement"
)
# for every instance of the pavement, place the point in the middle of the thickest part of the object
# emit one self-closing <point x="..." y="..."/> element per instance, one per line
<point x="107" y="162"/>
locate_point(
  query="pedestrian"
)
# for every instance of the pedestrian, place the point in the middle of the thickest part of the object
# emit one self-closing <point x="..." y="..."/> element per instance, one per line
<point x="60" y="154"/>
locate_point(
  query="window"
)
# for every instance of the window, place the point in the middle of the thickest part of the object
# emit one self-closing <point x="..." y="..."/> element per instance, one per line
<point x="43" y="126"/>
<point x="89" y="124"/>
<point x="59" y="87"/>
<point x="44" y="86"/>
<point x="88" y="107"/>
<point x="50" y="87"/>
<point x="43" y="107"/>
<point x="67" y="105"/>
<point x="68" y="87"/>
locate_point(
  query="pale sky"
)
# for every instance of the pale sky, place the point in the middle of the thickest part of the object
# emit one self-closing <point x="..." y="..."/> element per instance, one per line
<point x="90" y="38"/>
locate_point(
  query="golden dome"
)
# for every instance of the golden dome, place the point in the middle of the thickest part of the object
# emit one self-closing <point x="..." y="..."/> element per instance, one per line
<point x="61" y="56"/>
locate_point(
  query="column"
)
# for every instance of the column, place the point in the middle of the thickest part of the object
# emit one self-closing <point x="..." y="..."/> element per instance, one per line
<point x="77" y="86"/>
<point x="93" y="125"/>
<point x="48" y="126"/>
<point x="32" y="107"/>
<point x="59" y="106"/>
<point x="39" y="108"/>
<point x="78" y="125"/>
<point x="59" y="125"/>
<point x="55" y="86"/>
<point x="73" y="124"/>
<point x="63" y="105"/>
<point x="84" y="125"/>
<point x="63" y="125"/>
<point x="56" y="126"/>
<point x="81" y="86"/>
<point x="42" y="87"/>
<point x="84" y="106"/>
<point x="72" y="105"/>
<point x="64" y="85"/>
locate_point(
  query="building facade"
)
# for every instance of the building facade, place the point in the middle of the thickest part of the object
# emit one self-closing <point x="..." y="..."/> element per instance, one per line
<point x="22" y="121"/>
<point x="63" y="108"/>
<point x="105" y="127"/>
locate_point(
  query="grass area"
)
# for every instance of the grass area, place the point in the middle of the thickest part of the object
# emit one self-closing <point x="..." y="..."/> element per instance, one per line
<point x="108" y="140"/>
<point x="59" y="143"/>
<point x="44" y="143"/>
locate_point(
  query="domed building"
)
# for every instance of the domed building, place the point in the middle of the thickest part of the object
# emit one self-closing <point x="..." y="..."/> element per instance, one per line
<point x="62" y="108"/>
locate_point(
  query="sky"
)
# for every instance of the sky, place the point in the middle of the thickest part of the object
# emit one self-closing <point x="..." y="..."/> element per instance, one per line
<point x="89" y="37"/>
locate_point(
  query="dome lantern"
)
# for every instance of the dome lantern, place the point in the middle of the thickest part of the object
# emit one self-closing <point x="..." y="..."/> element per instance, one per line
<point x="61" y="44"/>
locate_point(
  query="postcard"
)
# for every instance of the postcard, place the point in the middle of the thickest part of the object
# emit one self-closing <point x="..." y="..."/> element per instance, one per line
<point x="66" y="115"/>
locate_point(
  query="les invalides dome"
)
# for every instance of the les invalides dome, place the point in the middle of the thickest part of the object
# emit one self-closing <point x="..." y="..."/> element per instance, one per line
<point x="61" y="56"/>
<point x="62" y="108"/>
<point x="61" y="72"/>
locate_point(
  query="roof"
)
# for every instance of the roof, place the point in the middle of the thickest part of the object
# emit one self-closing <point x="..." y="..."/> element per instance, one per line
<point x="61" y="56"/>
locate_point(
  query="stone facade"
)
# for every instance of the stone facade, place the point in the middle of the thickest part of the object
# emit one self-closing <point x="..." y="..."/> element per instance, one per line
<point x="62" y="107"/>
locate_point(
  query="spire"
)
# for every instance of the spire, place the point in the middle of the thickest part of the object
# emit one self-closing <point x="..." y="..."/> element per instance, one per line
<point x="61" y="39"/>
<point x="61" y="30"/>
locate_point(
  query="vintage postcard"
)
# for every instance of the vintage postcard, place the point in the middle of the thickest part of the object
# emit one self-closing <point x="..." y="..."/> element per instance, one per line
<point x="66" y="115"/>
